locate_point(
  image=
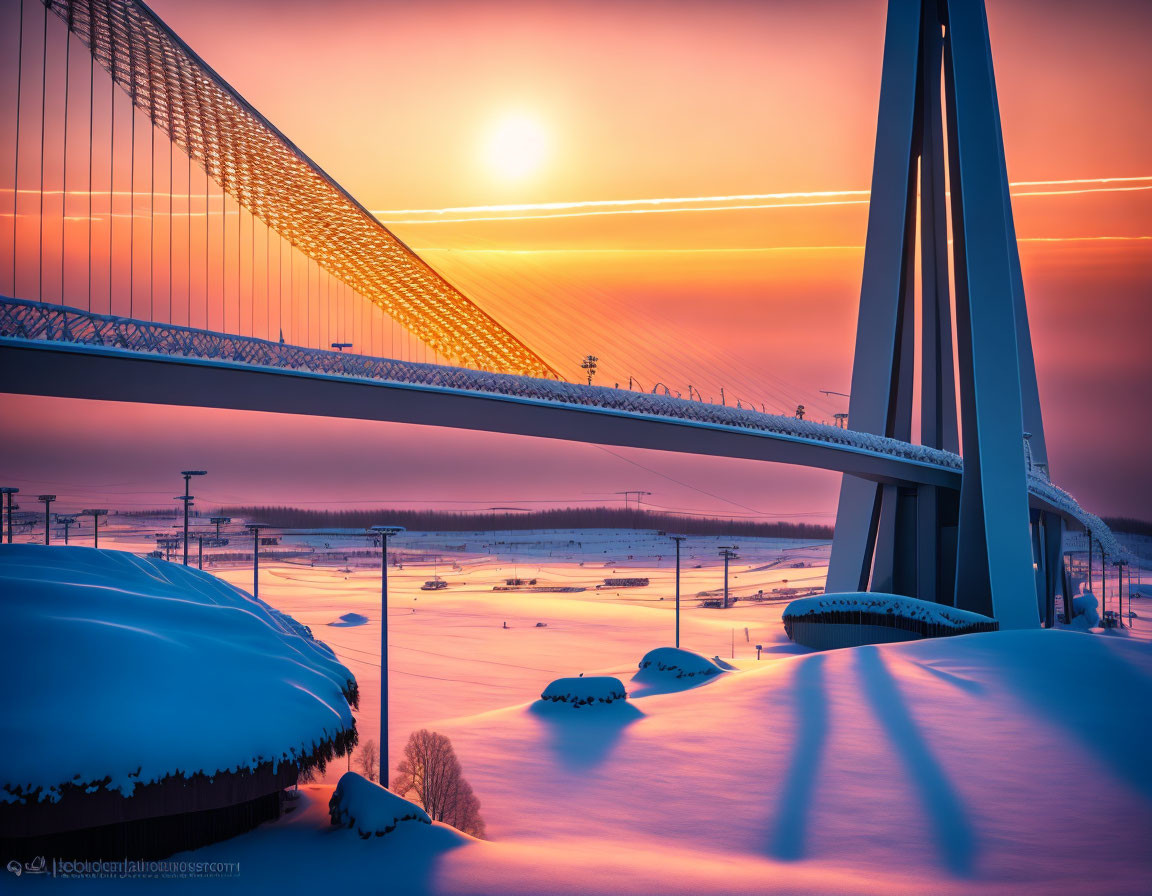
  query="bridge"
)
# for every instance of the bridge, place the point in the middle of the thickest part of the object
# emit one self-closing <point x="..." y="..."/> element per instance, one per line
<point x="977" y="525"/>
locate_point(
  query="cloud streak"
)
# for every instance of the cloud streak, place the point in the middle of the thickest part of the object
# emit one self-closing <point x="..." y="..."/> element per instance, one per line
<point x="467" y="214"/>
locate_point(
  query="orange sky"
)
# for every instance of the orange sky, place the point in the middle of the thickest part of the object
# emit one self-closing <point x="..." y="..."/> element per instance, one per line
<point x="646" y="100"/>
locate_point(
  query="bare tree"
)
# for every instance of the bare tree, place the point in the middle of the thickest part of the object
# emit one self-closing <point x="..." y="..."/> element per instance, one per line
<point x="431" y="770"/>
<point x="368" y="760"/>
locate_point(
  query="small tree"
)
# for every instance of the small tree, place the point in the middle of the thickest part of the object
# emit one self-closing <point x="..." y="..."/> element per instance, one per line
<point x="431" y="770"/>
<point x="368" y="761"/>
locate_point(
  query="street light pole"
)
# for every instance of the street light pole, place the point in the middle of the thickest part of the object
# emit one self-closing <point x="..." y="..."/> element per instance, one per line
<point x="188" y="474"/>
<point x="47" y="501"/>
<point x="254" y="528"/>
<point x="95" y="513"/>
<point x="67" y="522"/>
<point x="384" y="532"/>
<point x="7" y="492"/>
<point x="677" y="539"/>
<point x="727" y="553"/>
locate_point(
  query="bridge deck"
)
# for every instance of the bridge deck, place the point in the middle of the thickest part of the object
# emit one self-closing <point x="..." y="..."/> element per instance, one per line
<point x="68" y="352"/>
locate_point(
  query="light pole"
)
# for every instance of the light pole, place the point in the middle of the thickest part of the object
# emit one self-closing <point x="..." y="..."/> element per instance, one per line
<point x="47" y="501"/>
<point x="220" y="521"/>
<point x="588" y="365"/>
<point x="728" y="553"/>
<point x="254" y="528"/>
<point x="677" y="539"/>
<point x="384" y="532"/>
<point x="67" y="521"/>
<point x="95" y="513"/>
<point x="8" y="491"/>
<point x="188" y="474"/>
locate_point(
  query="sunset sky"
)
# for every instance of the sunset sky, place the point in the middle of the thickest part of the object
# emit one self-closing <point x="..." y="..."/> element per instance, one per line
<point x="758" y="119"/>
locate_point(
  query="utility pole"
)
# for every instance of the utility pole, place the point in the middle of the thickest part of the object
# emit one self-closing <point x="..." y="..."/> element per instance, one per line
<point x="7" y="492"/>
<point x="639" y="494"/>
<point x="47" y="502"/>
<point x="728" y="552"/>
<point x="188" y="474"/>
<point x="384" y="532"/>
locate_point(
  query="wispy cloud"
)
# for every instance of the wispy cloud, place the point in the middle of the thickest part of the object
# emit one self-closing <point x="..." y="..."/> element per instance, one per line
<point x="701" y="250"/>
<point x="466" y="214"/>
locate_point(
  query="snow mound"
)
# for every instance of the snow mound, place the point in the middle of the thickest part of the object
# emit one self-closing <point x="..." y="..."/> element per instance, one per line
<point x="121" y="670"/>
<point x="1085" y="611"/>
<point x="577" y="692"/>
<point x="672" y="662"/>
<point x="348" y="620"/>
<point x="369" y="809"/>
<point x="862" y="617"/>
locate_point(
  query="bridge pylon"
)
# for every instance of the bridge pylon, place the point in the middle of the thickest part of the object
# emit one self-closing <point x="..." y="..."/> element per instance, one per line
<point x="974" y="550"/>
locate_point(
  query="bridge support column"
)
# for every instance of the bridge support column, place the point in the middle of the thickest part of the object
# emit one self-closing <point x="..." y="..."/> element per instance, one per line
<point x="974" y="552"/>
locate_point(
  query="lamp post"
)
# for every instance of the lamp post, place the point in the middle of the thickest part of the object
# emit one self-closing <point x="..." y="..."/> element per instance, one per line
<point x="67" y="521"/>
<point x="384" y="532"/>
<point x="188" y="474"/>
<point x="8" y="491"/>
<point x="254" y="528"/>
<point x="220" y="521"/>
<point x="47" y="501"/>
<point x="677" y="539"/>
<point x="95" y="513"/>
<point x="728" y="553"/>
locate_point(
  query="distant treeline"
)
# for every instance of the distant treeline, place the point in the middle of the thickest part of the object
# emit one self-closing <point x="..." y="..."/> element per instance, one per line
<point x="565" y="518"/>
<point x="1128" y="524"/>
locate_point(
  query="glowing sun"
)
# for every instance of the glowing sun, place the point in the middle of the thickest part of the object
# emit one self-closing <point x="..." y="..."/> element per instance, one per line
<point x="516" y="146"/>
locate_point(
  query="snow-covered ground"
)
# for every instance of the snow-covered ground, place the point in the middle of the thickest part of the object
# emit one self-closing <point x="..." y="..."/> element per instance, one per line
<point x="1004" y="762"/>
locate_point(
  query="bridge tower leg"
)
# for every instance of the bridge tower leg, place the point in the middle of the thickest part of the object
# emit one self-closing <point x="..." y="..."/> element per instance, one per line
<point x="973" y="550"/>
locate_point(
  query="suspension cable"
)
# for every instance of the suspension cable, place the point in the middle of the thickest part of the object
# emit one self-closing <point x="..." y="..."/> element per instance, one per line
<point x="91" y="144"/>
<point x="64" y="175"/>
<point x="43" y="119"/>
<point x="16" y="161"/>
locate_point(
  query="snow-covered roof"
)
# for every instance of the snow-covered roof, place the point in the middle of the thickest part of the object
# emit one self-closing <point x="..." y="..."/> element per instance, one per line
<point x="120" y="670"/>
<point x="889" y="604"/>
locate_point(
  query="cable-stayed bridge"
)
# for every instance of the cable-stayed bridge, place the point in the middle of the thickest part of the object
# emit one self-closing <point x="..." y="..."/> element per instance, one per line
<point x="178" y="305"/>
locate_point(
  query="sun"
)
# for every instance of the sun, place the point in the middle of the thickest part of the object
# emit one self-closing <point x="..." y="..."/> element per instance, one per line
<point x="516" y="146"/>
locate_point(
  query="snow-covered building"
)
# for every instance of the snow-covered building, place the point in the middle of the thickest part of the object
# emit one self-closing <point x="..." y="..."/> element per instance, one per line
<point x="849" y="620"/>
<point x="151" y="707"/>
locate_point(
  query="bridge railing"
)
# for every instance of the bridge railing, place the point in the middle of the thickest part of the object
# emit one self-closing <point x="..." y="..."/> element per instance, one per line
<point x="21" y="319"/>
<point x="41" y="321"/>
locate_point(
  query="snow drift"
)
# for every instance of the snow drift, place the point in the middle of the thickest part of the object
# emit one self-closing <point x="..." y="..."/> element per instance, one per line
<point x="122" y="671"/>
<point x="672" y="662"/>
<point x="369" y="809"/>
<point x="578" y="692"/>
<point x="349" y="620"/>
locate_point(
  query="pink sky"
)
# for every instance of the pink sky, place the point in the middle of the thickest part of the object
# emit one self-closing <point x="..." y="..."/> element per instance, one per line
<point x="642" y="100"/>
